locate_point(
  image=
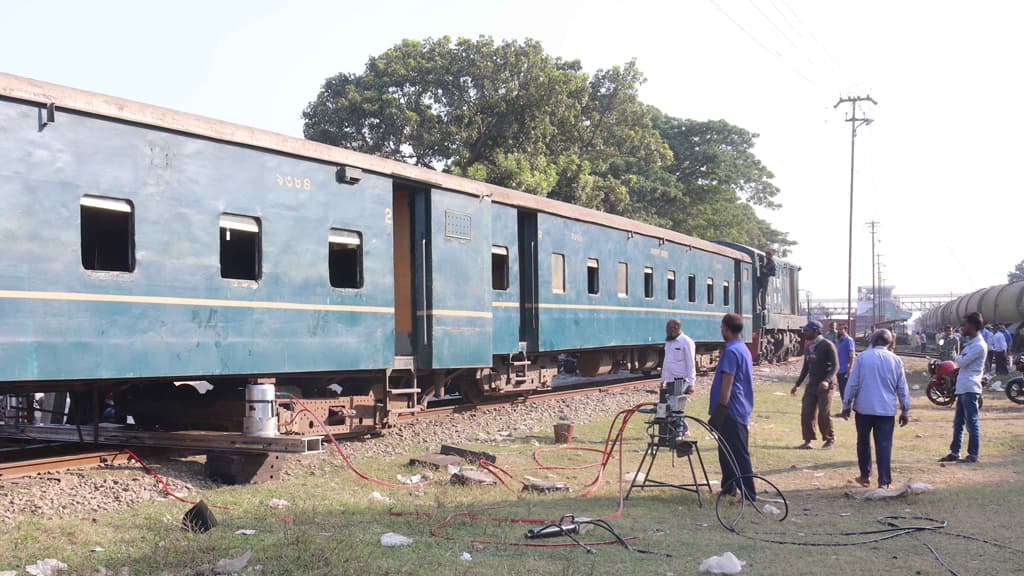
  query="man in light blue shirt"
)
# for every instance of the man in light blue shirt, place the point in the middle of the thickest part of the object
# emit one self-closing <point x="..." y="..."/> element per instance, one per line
<point x="844" y="350"/>
<point x="876" y="383"/>
<point x="968" y="389"/>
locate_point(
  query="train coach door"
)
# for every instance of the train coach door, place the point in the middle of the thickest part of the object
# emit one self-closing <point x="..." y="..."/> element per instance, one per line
<point x="409" y="229"/>
<point x="528" y="328"/>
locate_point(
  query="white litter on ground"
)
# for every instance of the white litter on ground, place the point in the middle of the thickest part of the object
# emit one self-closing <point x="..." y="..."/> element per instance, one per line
<point x="232" y="565"/>
<point x="630" y="476"/>
<point x="245" y="532"/>
<point x="465" y="556"/>
<point x="46" y="567"/>
<point x="772" y="509"/>
<point x="915" y="387"/>
<point x="727" y="563"/>
<point x="378" y="497"/>
<point x="997" y="386"/>
<point x="278" y="503"/>
<point x="393" y="539"/>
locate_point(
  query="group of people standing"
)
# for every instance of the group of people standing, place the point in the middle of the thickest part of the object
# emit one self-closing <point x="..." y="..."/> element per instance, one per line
<point x="872" y="387"/>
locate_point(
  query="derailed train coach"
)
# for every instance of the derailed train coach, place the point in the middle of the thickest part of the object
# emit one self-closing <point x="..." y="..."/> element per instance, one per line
<point x="146" y="248"/>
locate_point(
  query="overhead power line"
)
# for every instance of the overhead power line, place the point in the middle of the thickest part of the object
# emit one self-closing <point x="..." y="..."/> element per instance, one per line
<point x="824" y="50"/>
<point x="763" y="46"/>
<point x="789" y="40"/>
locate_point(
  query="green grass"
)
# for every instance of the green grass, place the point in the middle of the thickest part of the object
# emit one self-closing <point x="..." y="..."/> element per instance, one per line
<point x="335" y="529"/>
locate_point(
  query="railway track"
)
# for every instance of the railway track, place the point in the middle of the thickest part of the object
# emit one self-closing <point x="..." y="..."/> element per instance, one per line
<point x="18" y="461"/>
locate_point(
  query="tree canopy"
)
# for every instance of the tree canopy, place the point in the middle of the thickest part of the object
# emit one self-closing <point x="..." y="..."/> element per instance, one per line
<point x="1017" y="274"/>
<point x="510" y="114"/>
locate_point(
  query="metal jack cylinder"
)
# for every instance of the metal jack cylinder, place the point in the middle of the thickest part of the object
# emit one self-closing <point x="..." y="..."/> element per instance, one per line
<point x="260" y="410"/>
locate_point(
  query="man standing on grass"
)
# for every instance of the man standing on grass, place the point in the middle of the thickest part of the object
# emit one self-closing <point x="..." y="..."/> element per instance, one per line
<point x="950" y="346"/>
<point x="678" y="365"/>
<point x="819" y="370"/>
<point x="968" y="388"/>
<point x="732" y="401"/>
<point x="876" y="384"/>
<point x="845" y="351"/>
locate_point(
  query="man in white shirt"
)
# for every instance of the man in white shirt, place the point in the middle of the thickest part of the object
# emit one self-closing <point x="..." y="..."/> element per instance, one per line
<point x="679" y="357"/>
<point x="998" y="346"/>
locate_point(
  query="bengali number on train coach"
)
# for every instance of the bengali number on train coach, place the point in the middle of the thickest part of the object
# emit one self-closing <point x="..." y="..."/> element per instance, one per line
<point x="294" y="182"/>
<point x="659" y="252"/>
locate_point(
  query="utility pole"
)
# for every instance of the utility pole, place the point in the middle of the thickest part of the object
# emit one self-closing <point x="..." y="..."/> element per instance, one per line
<point x="874" y="285"/>
<point x="855" y="122"/>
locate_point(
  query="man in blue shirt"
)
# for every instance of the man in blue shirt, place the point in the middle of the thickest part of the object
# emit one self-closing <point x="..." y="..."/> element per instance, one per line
<point x="968" y="388"/>
<point x="876" y="383"/>
<point x="732" y="401"/>
<point x="845" y="352"/>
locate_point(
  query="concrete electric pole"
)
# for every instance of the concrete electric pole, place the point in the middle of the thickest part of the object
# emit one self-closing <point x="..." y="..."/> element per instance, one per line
<point x="855" y="122"/>
<point x="873" y="225"/>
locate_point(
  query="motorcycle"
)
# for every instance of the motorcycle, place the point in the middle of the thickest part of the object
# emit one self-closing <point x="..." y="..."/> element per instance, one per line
<point x="1015" y="387"/>
<point x="941" y="389"/>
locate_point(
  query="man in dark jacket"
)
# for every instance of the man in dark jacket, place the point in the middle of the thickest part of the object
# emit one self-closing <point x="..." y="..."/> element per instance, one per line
<point x="820" y="366"/>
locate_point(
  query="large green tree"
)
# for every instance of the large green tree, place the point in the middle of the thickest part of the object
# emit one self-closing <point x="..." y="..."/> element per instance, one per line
<point x="1017" y="274"/>
<point x="510" y="114"/>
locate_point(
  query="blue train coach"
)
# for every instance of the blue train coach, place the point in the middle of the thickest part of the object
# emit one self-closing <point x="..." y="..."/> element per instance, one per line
<point x="146" y="248"/>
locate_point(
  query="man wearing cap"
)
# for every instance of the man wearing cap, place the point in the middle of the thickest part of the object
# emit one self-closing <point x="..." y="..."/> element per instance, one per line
<point x="820" y="366"/>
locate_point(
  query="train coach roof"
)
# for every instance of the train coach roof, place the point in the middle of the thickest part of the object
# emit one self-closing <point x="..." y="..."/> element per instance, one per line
<point x="19" y="88"/>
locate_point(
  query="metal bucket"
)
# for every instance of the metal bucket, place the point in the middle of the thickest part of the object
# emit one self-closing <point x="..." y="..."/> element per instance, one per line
<point x="563" y="433"/>
<point x="260" y="410"/>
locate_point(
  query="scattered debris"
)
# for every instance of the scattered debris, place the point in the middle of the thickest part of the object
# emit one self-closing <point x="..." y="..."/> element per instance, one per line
<point x="466" y="557"/>
<point x="97" y="549"/>
<point x="882" y="493"/>
<point x="468" y="455"/>
<point x="8" y="573"/>
<point x="779" y="393"/>
<point x="819" y="474"/>
<point x="436" y="461"/>
<point x="378" y="497"/>
<point x="414" y="479"/>
<point x="772" y="509"/>
<point x="844" y="513"/>
<point x="232" y="565"/>
<point x="46" y="567"/>
<point x="278" y="503"/>
<point x="475" y="477"/>
<point x="393" y="539"/>
<point x="915" y="387"/>
<point x="727" y="563"/>
<point x="545" y="486"/>
<point x="199" y="518"/>
<point x="245" y="532"/>
<point x="997" y="386"/>
<point x="634" y="476"/>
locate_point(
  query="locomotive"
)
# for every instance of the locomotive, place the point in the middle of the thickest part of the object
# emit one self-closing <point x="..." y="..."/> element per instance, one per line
<point x="148" y="249"/>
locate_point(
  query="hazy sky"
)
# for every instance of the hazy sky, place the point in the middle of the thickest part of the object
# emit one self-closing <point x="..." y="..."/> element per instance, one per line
<point x="937" y="168"/>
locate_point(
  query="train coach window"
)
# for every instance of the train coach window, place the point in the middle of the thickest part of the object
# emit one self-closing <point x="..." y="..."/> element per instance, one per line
<point x="648" y="282"/>
<point x="623" y="279"/>
<point x="499" y="268"/>
<point x="746" y="274"/>
<point x="557" y="273"/>
<point x="725" y="294"/>
<point x="593" y="276"/>
<point x="108" y="234"/>
<point x="691" y="287"/>
<point x="671" y="290"/>
<point x="345" y="258"/>
<point x="239" y="247"/>
<point x="711" y="290"/>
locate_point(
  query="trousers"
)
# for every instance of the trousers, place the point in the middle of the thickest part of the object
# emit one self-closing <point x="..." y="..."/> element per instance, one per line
<point x="736" y="437"/>
<point x="820" y="402"/>
<point x="881" y="427"/>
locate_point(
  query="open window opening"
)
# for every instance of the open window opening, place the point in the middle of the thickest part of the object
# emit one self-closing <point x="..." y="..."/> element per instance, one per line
<point x="593" y="276"/>
<point x="108" y="234"/>
<point x="345" y="258"/>
<point x="648" y="282"/>
<point x="557" y="273"/>
<point x="711" y="290"/>
<point x="239" y="247"/>
<point x="499" y="267"/>
<point x="691" y="287"/>
<point x="671" y="288"/>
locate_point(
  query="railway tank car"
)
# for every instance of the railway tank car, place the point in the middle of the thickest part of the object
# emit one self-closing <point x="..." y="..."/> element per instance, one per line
<point x="1001" y="303"/>
<point x="147" y="248"/>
